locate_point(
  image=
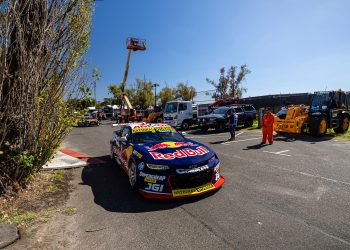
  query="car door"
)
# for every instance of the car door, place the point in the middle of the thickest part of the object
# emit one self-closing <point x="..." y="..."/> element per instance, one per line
<point x="241" y="117"/>
<point x="125" y="146"/>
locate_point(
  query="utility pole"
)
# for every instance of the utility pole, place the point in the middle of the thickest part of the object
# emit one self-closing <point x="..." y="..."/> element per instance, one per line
<point x="155" y="85"/>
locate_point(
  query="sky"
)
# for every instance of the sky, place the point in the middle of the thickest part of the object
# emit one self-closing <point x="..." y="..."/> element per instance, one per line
<point x="290" y="46"/>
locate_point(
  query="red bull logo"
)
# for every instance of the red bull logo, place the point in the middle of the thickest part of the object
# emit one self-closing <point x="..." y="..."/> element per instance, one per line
<point x="186" y="152"/>
<point x="171" y="144"/>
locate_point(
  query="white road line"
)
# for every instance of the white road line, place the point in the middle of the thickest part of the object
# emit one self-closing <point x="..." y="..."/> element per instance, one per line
<point x="288" y="170"/>
<point x="239" y="133"/>
<point x="278" y="153"/>
<point x="212" y="135"/>
<point x="275" y="153"/>
<point x="228" y="142"/>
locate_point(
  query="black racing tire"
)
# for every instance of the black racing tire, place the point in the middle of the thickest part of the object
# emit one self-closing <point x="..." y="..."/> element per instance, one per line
<point x="185" y="125"/>
<point x="132" y="174"/>
<point x="220" y="127"/>
<point x="343" y="125"/>
<point x="318" y="126"/>
<point x="112" y="154"/>
<point x="248" y="122"/>
<point x="204" y="129"/>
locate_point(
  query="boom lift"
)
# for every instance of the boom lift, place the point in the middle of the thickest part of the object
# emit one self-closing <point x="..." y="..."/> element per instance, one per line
<point x="132" y="44"/>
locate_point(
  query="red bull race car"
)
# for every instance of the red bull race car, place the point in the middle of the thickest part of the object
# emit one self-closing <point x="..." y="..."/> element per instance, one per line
<point x="161" y="163"/>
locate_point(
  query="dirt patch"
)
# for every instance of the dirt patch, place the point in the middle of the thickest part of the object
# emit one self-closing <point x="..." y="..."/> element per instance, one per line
<point x="38" y="201"/>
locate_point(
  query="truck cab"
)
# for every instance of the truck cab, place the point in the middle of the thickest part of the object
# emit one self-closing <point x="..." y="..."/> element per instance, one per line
<point x="179" y="114"/>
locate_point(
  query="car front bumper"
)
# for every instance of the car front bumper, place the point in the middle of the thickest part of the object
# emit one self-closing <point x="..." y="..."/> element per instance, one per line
<point x="183" y="193"/>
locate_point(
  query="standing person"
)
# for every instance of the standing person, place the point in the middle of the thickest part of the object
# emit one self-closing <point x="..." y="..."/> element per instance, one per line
<point x="233" y="119"/>
<point x="267" y="126"/>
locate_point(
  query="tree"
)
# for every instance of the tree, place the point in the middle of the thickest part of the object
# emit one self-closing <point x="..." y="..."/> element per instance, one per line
<point x="116" y="92"/>
<point x="165" y="95"/>
<point x="229" y="84"/>
<point x="184" y="92"/>
<point x="42" y="60"/>
<point x="144" y="95"/>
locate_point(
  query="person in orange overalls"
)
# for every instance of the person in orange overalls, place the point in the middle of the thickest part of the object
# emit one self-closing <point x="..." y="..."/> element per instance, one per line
<point x="267" y="126"/>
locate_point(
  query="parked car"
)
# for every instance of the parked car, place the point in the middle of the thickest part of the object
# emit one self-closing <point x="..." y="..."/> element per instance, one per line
<point x="218" y="118"/>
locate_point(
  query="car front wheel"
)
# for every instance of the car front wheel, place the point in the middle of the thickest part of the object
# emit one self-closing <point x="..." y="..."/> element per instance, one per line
<point x="133" y="175"/>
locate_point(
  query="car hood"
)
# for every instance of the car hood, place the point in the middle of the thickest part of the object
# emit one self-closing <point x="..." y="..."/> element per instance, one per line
<point x="211" y="116"/>
<point x="171" y="153"/>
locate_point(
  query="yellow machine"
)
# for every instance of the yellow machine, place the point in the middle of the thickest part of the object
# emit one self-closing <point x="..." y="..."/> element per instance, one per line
<point x="292" y="120"/>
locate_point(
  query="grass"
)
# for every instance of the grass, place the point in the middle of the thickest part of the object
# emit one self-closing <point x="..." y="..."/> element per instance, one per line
<point x="69" y="211"/>
<point x="58" y="180"/>
<point x="53" y="188"/>
<point x="58" y="176"/>
<point x="21" y="217"/>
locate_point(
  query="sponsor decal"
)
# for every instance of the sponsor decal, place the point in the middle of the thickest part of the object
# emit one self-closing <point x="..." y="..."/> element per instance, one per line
<point x="171" y="144"/>
<point x="186" y="152"/>
<point x="154" y="187"/>
<point x="157" y="177"/>
<point x="137" y="154"/>
<point x="151" y="180"/>
<point x="217" y="172"/>
<point x="141" y="166"/>
<point x="152" y="128"/>
<point x="191" y="191"/>
<point x="193" y="170"/>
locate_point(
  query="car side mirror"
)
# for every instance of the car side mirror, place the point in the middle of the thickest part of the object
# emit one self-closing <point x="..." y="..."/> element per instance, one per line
<point x="123" y="139"/>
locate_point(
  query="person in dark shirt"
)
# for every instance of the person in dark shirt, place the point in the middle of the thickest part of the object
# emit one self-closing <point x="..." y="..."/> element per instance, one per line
<point x="233" y="119"/>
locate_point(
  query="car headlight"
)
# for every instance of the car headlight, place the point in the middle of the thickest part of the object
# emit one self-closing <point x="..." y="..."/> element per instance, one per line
<point x="157" y="167"/>
<point x="212" y="119"/>
<point x="214" y="160"/>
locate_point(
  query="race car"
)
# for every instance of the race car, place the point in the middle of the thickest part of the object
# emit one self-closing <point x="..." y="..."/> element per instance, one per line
<point x="88" y="121"/>
<point x="161" y="163"/>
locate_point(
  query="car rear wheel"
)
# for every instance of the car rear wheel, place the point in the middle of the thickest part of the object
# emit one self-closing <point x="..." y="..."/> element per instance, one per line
<point x="133" y="175"/>
<point x="248" y="123"/>
<point x="220" y="127"/>
<point x="185" y="125"/>
<point x="204" y="129"/>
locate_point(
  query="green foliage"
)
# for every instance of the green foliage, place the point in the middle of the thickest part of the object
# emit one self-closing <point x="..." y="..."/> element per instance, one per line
<point x="58" y="176"/>
<point x="24" y="159"/>
<point x="116" y="92"/>
<point x="45" y="69"/>
<point x="185" y="92"/>
<point x="69" y="211"/>
<point x="229" y="83"/>
<point x="144" y="94"/>
<point x="165" y="95"/>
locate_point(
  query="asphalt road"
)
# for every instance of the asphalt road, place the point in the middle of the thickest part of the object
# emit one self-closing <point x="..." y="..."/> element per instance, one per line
<point x="294" y="194"/>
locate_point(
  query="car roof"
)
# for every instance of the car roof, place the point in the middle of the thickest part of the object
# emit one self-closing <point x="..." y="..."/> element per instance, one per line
<point x="140" y="125"/>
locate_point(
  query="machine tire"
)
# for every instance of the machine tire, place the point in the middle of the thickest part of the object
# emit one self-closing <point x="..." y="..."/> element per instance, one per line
<point x="132" y="174"/>
<point x="220" y="127"/>
<point x="343" y="125"/>
<point x="318" y="127"/>
<point x="204" y="129"/>
<point x="248" y="122"/>
<point x="185" y="125"/>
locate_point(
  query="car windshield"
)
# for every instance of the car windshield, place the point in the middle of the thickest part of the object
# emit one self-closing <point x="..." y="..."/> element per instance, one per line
<point x="157" y="136"/>
<point x="319" y="100"/>
<point x="170" y="107"/>
<point x="221" y="111"/>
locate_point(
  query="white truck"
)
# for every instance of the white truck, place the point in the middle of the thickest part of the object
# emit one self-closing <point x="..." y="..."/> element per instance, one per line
<point x="180" y="114"/>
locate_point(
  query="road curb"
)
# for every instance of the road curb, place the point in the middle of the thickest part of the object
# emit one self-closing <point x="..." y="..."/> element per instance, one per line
<point x="67" y="159"/>
<point x="8" y="235"/>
